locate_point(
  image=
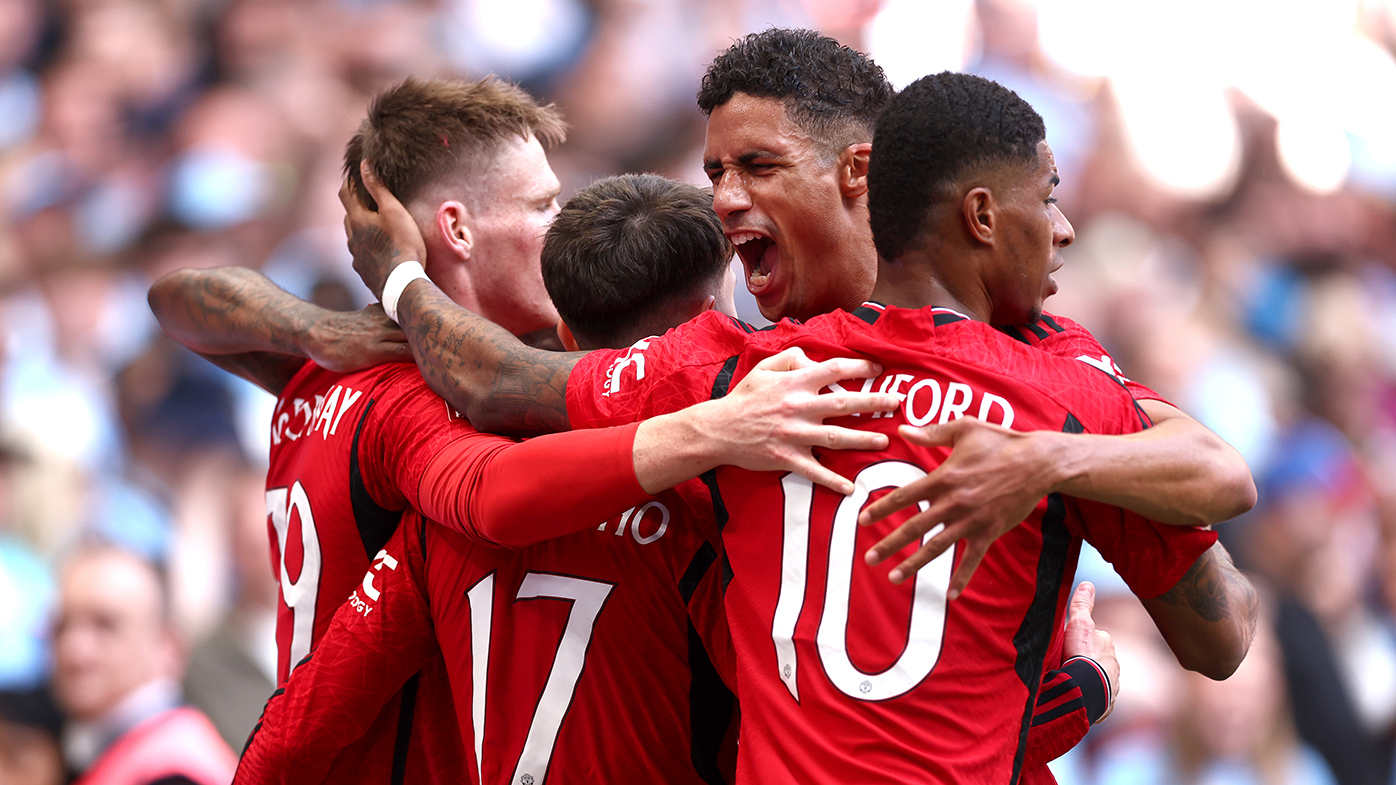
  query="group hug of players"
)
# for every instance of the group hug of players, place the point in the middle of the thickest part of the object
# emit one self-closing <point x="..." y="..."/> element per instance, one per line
<point x="679" y="580"/>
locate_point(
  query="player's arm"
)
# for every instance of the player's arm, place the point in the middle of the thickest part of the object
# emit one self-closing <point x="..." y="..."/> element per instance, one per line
<point x="516" y="494"/>
<point x="241" y="321"/>
<point x="335" y="694"/>
<point x="1080" y="693"/>
<point x="1176" y="472"/>
<point x="1209" y="617"/>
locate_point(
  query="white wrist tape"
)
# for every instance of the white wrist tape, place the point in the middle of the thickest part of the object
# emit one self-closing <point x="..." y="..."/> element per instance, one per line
<point x="398" y="279"/>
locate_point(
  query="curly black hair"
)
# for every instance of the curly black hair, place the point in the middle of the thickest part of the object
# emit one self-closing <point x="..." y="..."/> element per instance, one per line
<point x="628" y="253"/>
<point x="932" y="134"/>
<point x="832" y="92"/>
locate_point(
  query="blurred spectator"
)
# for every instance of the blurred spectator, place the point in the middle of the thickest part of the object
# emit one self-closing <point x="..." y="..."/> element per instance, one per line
<point x="116" y="665"/>
<point x="29" y="734"/>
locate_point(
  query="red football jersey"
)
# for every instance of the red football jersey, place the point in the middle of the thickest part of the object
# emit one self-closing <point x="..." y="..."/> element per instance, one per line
<point x="574" y="660"/>
<point x="910" y="687"/>
<point x="347" y="451"/>
<point x="1065" y="338"/>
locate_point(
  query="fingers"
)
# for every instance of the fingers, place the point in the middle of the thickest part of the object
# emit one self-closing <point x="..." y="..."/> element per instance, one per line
<point x="970" y="558"/>
<point x="912" y="530"/>
<point x="927" y="488"/>
<point x="1082" y="603"/>
<point x="817" y="473"/>
<point x="791" y="359"/>
<point x="833" y="437"/>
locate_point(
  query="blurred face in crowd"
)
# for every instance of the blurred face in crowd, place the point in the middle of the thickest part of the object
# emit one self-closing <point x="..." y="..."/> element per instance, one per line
<point x="1033" y="232"/>
<point x="111" y="637"/>
<point x="506" y="220"/>
<point x="800" y="230"/>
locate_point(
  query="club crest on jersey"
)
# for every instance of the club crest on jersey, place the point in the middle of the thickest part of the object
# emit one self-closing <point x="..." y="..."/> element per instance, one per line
<point x="302" y="417"/>
<point x="631" y="358"/>
<point x="1104" y="363"/>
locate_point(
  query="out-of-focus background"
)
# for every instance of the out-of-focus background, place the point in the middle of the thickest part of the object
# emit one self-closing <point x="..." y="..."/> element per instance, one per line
<point x="1229" y="165"/>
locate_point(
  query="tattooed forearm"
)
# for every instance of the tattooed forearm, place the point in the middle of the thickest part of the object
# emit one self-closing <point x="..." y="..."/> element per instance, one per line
<point x="1209" y="617"/>
<point x="496" y="381"/>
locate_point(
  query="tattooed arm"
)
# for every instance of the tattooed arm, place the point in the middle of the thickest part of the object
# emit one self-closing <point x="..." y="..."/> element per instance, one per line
<point x="245" y="324"/>
<point x="1209" y="617"/>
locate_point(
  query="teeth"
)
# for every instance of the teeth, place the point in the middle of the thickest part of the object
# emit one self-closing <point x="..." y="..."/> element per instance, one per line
<point x="742" y="237"/>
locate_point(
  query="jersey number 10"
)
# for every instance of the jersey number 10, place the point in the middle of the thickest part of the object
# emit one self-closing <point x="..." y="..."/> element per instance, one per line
<point x="927" y="627"/>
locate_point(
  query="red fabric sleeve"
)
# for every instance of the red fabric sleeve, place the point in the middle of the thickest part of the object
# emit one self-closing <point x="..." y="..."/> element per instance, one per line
<point x="1059" y="721"/>
<point x="515" y="494"/>
<point x="372" y="647"/>
<point x="1151" y="557"/>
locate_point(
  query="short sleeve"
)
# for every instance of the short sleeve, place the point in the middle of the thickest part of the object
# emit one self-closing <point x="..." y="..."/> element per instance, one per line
<point x="656" y="375"/>
<point x="1151" y="557"/>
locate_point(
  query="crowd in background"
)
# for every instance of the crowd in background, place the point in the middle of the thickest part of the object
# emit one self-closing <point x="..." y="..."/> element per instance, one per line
<point x="1229" y="166"/>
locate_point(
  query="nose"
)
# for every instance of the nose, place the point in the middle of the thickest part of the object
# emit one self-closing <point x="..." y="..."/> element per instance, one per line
<point x="730" y="195"/>
<point x="1062" y="232"/>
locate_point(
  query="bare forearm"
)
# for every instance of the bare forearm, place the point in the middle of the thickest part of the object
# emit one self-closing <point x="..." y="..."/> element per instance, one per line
<point x="672" y="448"/>
<point x="1209" y="617"/>
<point x="229" y="310"/>
<point x="498" y="383"/>
<point x="1176" y="472"/>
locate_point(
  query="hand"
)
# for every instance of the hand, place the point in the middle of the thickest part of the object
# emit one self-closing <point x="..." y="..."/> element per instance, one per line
<point x="773" y="419"/>
<point x="990" y="482"/>
<point x="1084" y="640"/>
<point x="349" y="340"/>
<point x="379" y="240"/>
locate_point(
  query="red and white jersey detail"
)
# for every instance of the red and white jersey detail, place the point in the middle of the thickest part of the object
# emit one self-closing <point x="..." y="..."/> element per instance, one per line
<point x="1063" y="337"/>
<point x="343" y="449"/>
<point x="842" y="675"/>
<point x="347" y="454"/>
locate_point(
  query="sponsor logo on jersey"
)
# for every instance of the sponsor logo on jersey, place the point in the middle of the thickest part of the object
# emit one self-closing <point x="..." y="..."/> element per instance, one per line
<point x="633" y="358"/>
<point x="1104" y="363"/>
<point x="364" y="603"/>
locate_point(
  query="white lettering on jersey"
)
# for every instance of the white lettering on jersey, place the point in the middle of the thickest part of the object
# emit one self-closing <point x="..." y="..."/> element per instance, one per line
<point x="867" y="387"/>
<point x="635" y="516"/>
<point x="1104" y="363"/>
<point x="631" y="357"/>
<point x="322" y="417"/>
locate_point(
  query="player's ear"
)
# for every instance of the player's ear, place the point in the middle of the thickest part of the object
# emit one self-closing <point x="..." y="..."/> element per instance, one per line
<point x="980" y="213"/>
<point x="853" y="170"/>
<point x="453" y="224"/>
<point x="564" y="334"/>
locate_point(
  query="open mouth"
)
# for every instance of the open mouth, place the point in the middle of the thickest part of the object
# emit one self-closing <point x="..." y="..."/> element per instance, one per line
<point x="758" y="254"/>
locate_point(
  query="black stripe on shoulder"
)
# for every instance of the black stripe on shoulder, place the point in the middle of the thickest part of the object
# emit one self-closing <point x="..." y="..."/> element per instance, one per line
<point x="1035" y="632"/>
<point x="1060" y="711"/>
<point x="376" y="524"/>
<point x="745" y="327"/>
<point x="723" y="382"/>
<point x="1014" y="333"/>
<point x="406" y="710"/>
<point x="1050" y="322"/>
<point x="1073" y="425"/>
<point x="867" y="314"/>
<point x="941" y="319"/>
<point x="697" y="567"/>
<point x="1037" y="330"/>
<point x="726" y="572"/>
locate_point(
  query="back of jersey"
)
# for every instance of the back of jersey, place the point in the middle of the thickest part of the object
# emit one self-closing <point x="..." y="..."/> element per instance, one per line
<point x="847" y="677"/>
<point x="325" y="525"/>
<point x="585" y="659"/>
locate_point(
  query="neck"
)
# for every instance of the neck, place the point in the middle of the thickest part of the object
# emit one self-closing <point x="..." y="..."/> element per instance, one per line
<point x="912" y="281"/>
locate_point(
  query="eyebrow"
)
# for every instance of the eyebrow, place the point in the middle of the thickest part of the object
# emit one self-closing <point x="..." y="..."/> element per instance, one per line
<point x="743" y="159"/>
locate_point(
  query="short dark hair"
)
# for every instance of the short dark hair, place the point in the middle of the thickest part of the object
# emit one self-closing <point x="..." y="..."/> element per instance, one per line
<point x="625" y="252"/>
<point x="933" y="133"/>
<point x="834" y="93"/>
<point x="421" y="131"/>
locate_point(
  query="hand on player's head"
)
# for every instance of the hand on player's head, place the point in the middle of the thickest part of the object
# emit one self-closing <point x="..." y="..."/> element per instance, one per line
<point x="379" y="240"/>
<point x="774" y="418"/>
